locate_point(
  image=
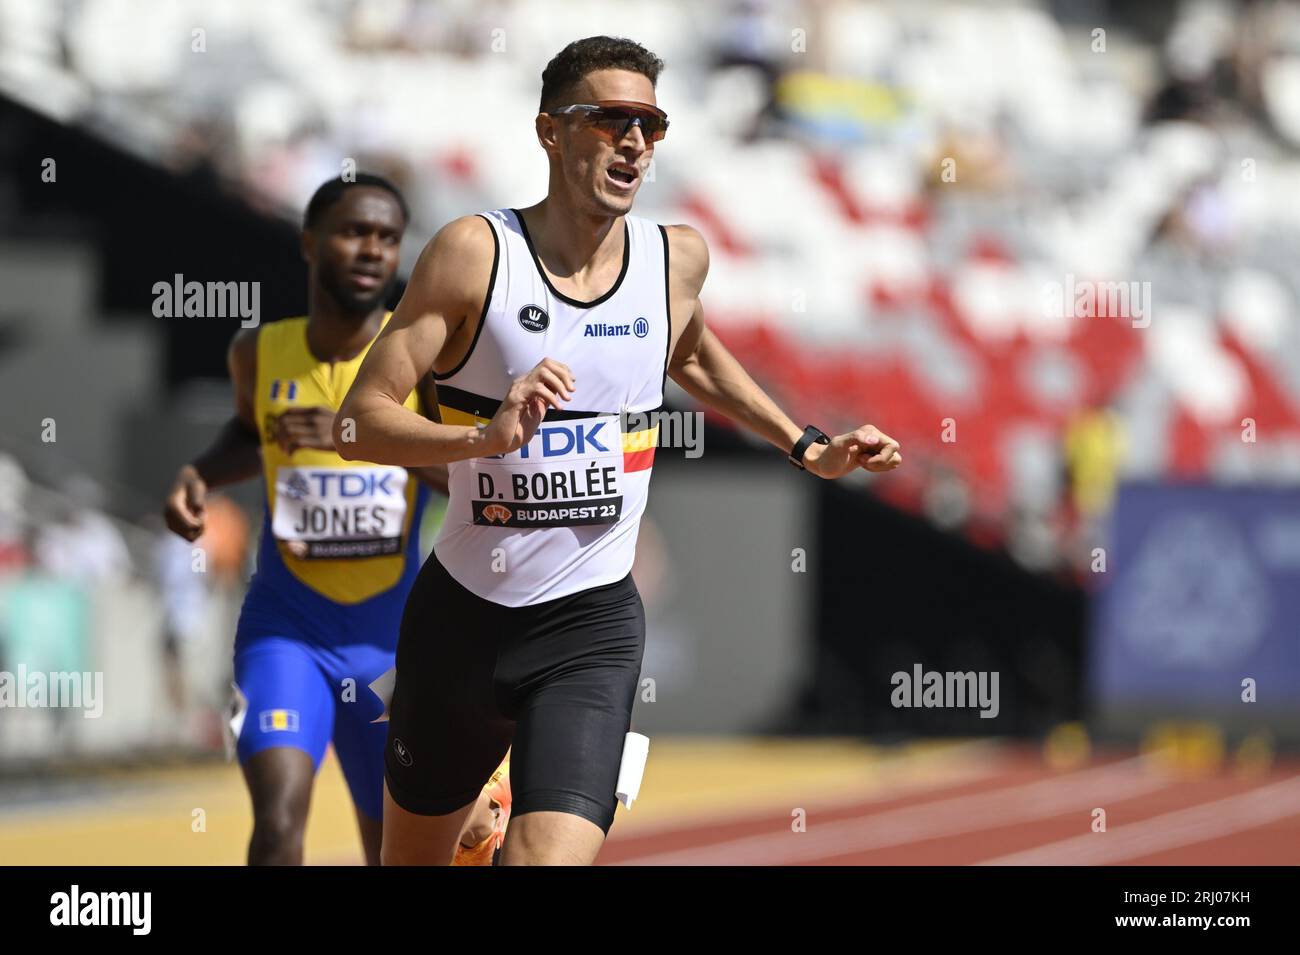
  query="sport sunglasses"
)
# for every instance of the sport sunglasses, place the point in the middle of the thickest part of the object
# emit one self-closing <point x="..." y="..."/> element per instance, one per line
<point x="612" y="119"/>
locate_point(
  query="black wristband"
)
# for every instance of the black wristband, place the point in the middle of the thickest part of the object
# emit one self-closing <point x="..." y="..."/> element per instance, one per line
<point x="810" y="436"/>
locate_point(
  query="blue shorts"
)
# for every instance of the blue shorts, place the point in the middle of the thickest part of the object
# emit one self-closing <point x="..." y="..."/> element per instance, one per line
<point x="304" y="664"/>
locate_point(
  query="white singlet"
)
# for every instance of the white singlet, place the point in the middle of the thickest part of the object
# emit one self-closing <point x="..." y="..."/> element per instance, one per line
<point x="559" y="515"/>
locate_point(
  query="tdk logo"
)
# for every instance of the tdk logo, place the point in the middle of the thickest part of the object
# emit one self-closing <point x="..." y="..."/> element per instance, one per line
<point x="297" y="488"/>
<point x="640" y="328"/>
<point x="349" y="484"/>
<point x="565" y="439"/>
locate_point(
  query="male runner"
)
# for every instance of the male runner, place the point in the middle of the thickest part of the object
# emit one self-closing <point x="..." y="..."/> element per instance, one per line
<point x="339" y="540"/>
<point x="538" y="324"/>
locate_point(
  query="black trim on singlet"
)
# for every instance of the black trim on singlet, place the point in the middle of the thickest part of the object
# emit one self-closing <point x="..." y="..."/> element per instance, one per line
<point x="668" y="317"/>
<point x="487" y="300"/>
<point x="481" y="406"/>
<point x="627" y="257"/>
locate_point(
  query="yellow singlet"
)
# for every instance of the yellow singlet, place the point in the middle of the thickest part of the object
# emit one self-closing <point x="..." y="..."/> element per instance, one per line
<point x="342" y="528"/>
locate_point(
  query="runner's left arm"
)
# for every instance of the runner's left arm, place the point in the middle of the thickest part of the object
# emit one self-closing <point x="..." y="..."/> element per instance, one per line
<point x="710" y="374"/>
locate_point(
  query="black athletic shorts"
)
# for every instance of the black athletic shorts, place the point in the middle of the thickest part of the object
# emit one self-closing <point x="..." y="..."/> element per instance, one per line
<point x="556" y="679"/>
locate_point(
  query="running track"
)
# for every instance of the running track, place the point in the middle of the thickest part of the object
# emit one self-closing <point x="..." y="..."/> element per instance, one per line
<point x="730" y="802"/>
<point x="1015" y="812"/>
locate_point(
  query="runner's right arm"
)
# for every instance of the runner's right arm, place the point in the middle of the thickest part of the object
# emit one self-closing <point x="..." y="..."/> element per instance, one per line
<point x="449" y="283"/>
<point x="434" y="475"/>
<point x="234" y="455"/>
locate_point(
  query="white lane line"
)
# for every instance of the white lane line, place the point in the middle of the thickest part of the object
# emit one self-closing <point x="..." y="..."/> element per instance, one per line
<point x="1073" y="792"/>
<point x="994" y="762"/>
<point x="1184" y="827"/>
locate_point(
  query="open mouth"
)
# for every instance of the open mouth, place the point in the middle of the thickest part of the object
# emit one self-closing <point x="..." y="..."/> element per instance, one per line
<point x="622" y="174"/>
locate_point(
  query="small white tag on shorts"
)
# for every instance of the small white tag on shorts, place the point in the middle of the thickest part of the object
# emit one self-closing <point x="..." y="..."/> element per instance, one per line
<point x="234" y="725"/>
<point x="635" y="750"/>
<point x="382" y="687"/>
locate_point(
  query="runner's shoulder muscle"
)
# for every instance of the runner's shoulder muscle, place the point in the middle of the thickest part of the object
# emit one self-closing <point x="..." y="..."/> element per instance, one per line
<point x="451" y="278"/>
<point x="688" y="265"/>
<point x="688" y="259"/>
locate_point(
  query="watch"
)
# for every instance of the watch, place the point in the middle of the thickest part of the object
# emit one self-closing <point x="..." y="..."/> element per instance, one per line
<point x="811" y="436"/>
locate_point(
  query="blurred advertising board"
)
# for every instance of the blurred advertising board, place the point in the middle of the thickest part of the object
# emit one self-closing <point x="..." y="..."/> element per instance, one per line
<point x="1198" y="615"/>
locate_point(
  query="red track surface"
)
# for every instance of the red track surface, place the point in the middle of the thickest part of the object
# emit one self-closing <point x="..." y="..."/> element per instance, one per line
<point x="1152" y="818"/>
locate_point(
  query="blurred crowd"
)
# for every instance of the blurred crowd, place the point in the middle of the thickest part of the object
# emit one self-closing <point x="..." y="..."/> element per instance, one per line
<point x="62" y="554"/>
<point x="64" y="533"/>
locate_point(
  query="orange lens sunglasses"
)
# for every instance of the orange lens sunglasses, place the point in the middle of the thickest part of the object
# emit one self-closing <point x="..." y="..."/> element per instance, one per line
<point x="612" y="119"/>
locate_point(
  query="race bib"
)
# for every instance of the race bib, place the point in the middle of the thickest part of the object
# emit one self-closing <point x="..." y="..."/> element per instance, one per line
<point x="340" y="512"/>
<point x="569" y="475"/>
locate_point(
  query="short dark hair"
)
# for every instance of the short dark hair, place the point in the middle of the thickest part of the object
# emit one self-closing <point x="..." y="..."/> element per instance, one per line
<point x="570" y="65"/>
<point x="332" y="190"/>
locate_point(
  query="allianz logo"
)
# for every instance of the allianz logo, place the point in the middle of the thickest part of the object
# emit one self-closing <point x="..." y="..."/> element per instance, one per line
<point x="640" y="328"/>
